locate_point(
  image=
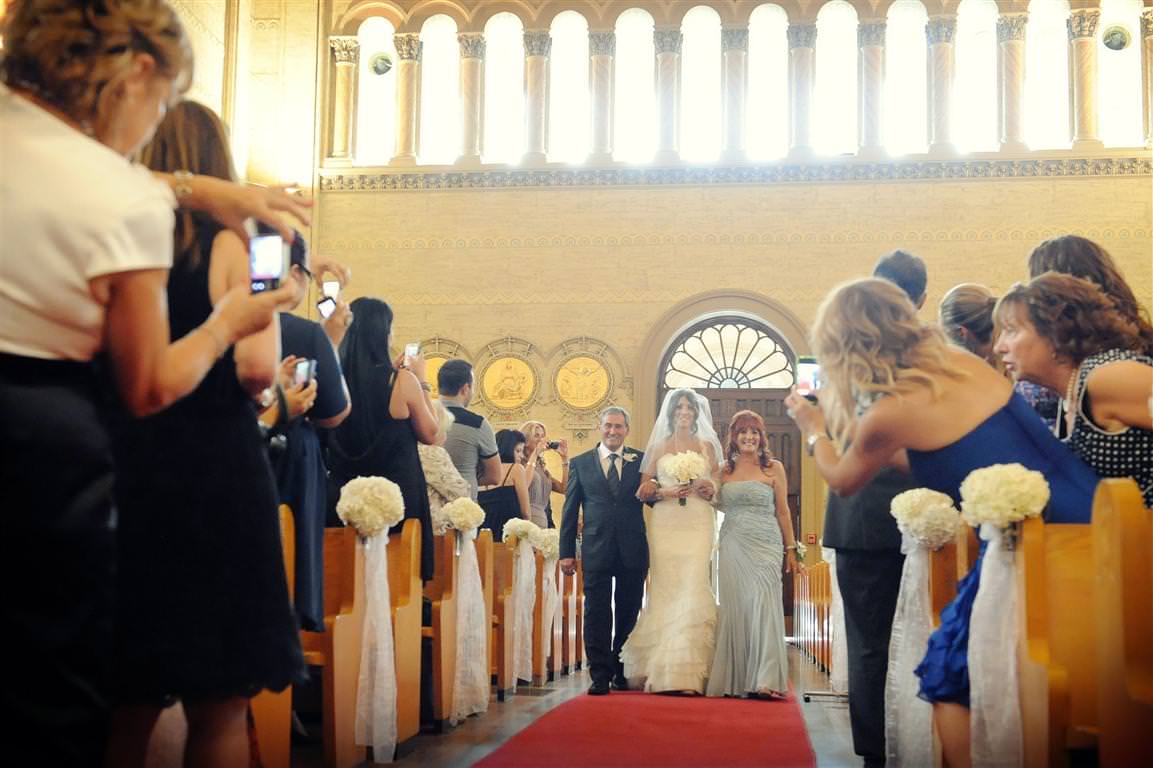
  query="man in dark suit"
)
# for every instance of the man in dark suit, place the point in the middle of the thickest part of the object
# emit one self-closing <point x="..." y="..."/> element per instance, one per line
<point x="604" y="483"/>
<point x="869" y="563"/>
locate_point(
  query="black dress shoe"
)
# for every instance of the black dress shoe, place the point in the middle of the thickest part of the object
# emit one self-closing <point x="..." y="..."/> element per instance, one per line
<point x="599" y="688"/>
<point x="620" y="683"/>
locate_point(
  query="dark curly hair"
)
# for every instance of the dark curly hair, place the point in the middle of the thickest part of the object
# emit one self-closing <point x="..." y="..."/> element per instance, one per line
<point x="741" y="421"/>
<point x="1074" y="315"/>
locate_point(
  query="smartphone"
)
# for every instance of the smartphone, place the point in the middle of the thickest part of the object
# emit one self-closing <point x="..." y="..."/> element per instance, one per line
<point x="412" y="349"/>
<point x="331" y="288"/>
<point x="267" y="258"/>
<point x="326" y="307"/>
<point x="552" y="445"/>
<point x="304" y="373"/>
<point x="808" y="377"/>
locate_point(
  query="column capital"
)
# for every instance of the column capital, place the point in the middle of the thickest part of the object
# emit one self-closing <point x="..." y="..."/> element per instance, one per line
<point x="345" y="48"/>
<point x="1082" y="22"/>
<point x="1147" y="23"/>
<point x="471" y="45"/>
<point x="1011" y="26"/>
<point x="735" y="39"/>
<point x="802" y="35"/>
<point x="871" y="33"/>
<point x="941" y="29"/>
<point x="537" y="42"/>
<point x="408" y="46"/>
<point x="667" y="40"/>
<point x="603" y="43"/>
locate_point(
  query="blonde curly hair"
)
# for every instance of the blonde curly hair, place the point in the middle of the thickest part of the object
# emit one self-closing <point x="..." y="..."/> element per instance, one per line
<point x="870" y="343"/>
<point x="66" y="52"/>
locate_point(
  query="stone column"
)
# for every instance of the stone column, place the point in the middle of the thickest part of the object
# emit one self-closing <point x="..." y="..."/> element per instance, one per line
<point x="734" y="88"/>
<point x="667" y="44"/>
<point x="345" y="55"/>
<point x="602" y="52"/>
<point x="1147" y="73"/>
<point x="1011" y="39"/>
<point x="537" y="47"/>
<point x="871" y="47"/>
<point x="408" y="50"/>
<point x="1082" y="25"/>
<point x="471" y="102"/>
<point x="802" y="72"/>
<point x="940" y="32"/>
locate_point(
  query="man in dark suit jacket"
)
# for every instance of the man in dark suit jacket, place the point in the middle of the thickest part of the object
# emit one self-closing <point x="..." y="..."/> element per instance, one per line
<point x="604" y="483"/>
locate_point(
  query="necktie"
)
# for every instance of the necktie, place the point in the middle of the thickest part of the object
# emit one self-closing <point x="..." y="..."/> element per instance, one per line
<point x="614" y="477"/>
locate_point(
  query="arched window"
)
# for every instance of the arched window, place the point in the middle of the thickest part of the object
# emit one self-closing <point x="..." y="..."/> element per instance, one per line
<point x="835" y="116"/>
<point x="1119" y="73"/>
<point x="439" y="91"/>
<point x="376" y="93"/>
<point x="728" y="353"/>
<point x="568" y="122"/>
<point x="975" y="126"/>
<point x="767" y="127"/>
<point x="701" y="85"/>
<point x="1046" y="110"/>
<point x="503" y="89"/>
<point x="905" y="111"/>
<point x="634" y="96"/>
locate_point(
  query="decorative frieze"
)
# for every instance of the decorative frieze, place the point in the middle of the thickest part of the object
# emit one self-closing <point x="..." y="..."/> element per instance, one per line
<point x="735" y="39"/>
<point x="408" y="46"/>
<point x="471" y="45"/>
<point x="345" y="49"/>
<point x="667" y="41"/>
<point x="603" y="43"/>
<point x="941" y="29"/>
<point x="537" y="43"/>
<point x="871" y="33"/>
<point x="1083" y="22"/>
<point x="1011" y="26"/>
<point x="802" y="35"/>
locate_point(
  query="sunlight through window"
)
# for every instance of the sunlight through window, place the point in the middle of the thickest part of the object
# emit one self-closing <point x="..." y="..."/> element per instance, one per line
<point x="975" y="126"/>
<point x="376" y="93"/>
<point x="835" y="115"/>
<point x="569" y="124"/>
<point x="701" y="85"/>
<point x="1046" y="110"/>
<point x="767" y="131"/>
<point x="905" y="91"/>
<point x="1119" y="73"/>
<point x="503" y="89"/>
<point x="634" y="105"/>
<point x="439" y="92"/>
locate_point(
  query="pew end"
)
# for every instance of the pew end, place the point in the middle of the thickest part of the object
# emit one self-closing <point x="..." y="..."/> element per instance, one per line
<point x="406" y="597"/>
<point x="272" y="712"/>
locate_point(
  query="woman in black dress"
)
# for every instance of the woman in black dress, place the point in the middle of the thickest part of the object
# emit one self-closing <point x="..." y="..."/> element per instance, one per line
<point x="391" y="411"/>
<point x="510" y="499"/>
<point x="203" y="613"/>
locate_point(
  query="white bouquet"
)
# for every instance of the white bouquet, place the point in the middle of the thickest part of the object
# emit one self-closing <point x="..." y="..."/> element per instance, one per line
<point x="687" y="467"/>
<point x="370" y="505"/>
<point x="927" y="516"/>
<point x="1003" y="494"/>
<point x="519" y="529"/>
<point x="463" y="514"/>
<point x="547" y="541"/>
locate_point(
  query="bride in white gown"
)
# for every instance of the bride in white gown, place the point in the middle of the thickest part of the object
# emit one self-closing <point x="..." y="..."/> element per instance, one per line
<point x="671" y="647"/>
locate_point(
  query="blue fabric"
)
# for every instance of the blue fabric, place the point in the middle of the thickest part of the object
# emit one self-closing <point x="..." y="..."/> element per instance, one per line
<point x="1013" y="434"/>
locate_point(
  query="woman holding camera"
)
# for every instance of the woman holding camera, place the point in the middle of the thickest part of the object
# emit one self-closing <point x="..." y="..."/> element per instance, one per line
<point x="542" y="484"/>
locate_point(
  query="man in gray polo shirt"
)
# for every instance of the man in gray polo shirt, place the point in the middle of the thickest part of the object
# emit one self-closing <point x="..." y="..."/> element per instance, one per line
<point x="470" y="440"/>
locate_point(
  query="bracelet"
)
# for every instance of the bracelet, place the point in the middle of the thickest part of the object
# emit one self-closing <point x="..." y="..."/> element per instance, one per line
<point x="426" y="386"/>
<point x="221" y="343"/>
<point x="791" y="546"/>
<point x="183" y="186"/>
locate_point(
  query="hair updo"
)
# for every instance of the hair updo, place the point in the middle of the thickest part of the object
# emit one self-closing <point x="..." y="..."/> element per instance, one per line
<point x="969" y="306"/>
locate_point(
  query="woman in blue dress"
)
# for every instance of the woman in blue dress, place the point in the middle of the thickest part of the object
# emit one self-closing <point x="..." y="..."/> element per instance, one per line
<point x="896" y="393"/>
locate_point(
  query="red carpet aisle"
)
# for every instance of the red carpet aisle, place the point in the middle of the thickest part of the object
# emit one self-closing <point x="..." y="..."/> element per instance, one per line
<point x="637" y="729"/>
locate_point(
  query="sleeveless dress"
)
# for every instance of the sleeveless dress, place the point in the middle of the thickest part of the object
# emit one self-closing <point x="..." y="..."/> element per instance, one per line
<point x="1013" y="434"/>
<point x="671" y="647"/>
<point x="750" y="645"/>
<point x="539" y="493"/>
<point x="203" y="608"/>
<point x="500" y="505"/>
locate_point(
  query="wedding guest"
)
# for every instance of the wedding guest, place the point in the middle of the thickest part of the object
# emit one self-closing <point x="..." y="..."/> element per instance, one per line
<point x="966" y="316"/>
<point x="756" y="536"/>
<point x="907" y="272"/>
<point x="542" y="485"/>
<point x="392" y="413"/>
<point x="907" y="396"/>
<point x="1068" y="335"/>
<point x="508" y="499"/>
<point x="81" y="94"/>
<point x="444" y="483"/>
<point x="203" y="614"/>
<point x="470" y="440"/>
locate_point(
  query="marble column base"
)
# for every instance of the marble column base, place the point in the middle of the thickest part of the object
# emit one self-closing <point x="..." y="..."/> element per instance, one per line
<point x="599" y="157"/>
<point x="667" y="156"/>
<point x="1089" y="145"/>
<point x="942" y="149"/>
<point x="403" y="161"/>
<point x="534" y="158"/>
<point x="800" y="153"/>
<point x="875" y="152"/>
<point x="734" y="156"/>
<point x="1014" y="147"/>
<point x="468" y="161"/>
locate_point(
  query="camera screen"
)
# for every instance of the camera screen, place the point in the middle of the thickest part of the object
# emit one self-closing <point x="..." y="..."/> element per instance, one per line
<point x="331" y="288"/>
<point x="413" y="349"/>
<point x="326" y="307"/>
<point x="808" y="376"/>
<point x="265" y="257"/>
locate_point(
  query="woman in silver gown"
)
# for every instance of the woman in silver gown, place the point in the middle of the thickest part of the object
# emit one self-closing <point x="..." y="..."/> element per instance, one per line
<point x="749" y="657"/>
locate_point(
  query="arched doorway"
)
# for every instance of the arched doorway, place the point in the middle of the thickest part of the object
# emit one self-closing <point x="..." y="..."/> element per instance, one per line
<point x="741" y="363"/>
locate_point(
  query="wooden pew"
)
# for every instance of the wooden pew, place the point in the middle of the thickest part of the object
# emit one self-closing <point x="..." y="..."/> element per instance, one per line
<point x="484" y="557"/>
<point x="442" y="592"/>
<point x="1123" y="553"/>
<point x="272" y="712"/>
<point x="539" y="627"/>
<point x="1058" y="657"/>
<point x="568" y="623"/>
<point x="405" y="594"/>
<point x="556" y="655"/>
<point x="337" y="649"/>
<point x="942" y="578"/>
<point x="812" y="591"/>
<point x="503" y="621"/>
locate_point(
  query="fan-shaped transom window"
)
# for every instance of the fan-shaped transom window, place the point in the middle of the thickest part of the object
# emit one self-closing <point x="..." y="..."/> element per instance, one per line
<point x="728" y="353"/>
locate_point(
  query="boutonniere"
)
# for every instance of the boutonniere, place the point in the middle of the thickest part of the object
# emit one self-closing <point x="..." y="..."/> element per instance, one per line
<point x="629" y="457"/>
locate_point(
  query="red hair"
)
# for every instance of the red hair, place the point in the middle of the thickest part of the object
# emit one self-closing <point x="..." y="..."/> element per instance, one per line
<point x="741" y="421"/>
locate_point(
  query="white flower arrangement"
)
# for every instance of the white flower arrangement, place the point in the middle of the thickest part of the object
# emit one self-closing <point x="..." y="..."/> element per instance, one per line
<point x="1003" y="494"/>
<point x="463" y="514"/>
<point x="687" y="467"/>
<point x="519" y="529"/>
<point x="547" y="542"/>
<point x="370" y="505"/>
<point x="927" y="516"/>
<point x="800" y="549"/>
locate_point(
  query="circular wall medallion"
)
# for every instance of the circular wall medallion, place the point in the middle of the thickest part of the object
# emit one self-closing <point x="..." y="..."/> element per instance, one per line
<point x="432" y="364"/>
<point x="1116" y="38"/>
<point x="508" y="382"/>
<point x="380" y="63"/>
<point x="582" y="382"/>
